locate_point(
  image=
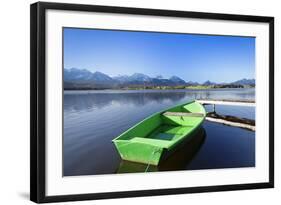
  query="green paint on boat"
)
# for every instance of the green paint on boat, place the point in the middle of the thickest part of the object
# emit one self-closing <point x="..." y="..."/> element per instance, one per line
<point x="157" y="136"/>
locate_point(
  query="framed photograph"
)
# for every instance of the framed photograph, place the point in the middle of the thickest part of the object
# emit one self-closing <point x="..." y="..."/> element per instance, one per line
<point x="129" y="102"/>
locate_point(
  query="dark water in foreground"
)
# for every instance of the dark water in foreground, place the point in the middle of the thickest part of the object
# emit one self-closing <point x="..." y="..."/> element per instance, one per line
<point x="93" y="118"/>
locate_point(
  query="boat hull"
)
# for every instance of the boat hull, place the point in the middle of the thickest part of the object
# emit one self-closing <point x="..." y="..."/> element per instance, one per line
<point x="158" y="136"/>
<point x="178" y="159"/>
<point x="139" y="152"/>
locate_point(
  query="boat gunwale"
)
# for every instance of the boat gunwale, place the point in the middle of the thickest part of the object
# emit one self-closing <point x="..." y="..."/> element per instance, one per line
<point x="160" y="112"/>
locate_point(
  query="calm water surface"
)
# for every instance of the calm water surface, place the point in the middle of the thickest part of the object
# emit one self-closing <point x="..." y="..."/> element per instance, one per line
<point x="93" y="118"/>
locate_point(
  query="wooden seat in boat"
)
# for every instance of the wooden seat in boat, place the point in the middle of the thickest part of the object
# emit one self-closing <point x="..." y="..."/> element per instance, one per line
<point x="184" y="114"/>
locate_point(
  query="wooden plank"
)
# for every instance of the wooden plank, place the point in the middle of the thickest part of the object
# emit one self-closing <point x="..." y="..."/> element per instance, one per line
<point x="227" y="102"/>
<point x="185" y="114"/>
<point x="231" y="118"/>
<point x="235" y="124"/>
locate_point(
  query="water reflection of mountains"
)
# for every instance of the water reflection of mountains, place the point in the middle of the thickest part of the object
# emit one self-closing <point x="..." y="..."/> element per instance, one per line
<point x="100" y="100"/>
<point x="85" y="101"/>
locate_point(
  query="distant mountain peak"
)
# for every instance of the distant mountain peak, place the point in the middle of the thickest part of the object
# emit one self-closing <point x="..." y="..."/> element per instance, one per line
<point x="176" y="79"/>
<point x="192" y="83"/>
<point x="121" y="78"/>
<point x="139" y="74"/>
<point x="121" y="75"/>
<point x="159" y="77"/>
<point x="98" y="72"/>
<point x="245" y="81"/>
<point x="85" y="76"/>
<point x="209" y="83"/>
<point x="73" y="69"/>
<point x="140" y="77"/>
<point x="99" y="76"/>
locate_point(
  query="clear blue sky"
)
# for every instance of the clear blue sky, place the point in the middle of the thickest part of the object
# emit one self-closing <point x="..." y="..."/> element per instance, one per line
<point x="191" y="57"/>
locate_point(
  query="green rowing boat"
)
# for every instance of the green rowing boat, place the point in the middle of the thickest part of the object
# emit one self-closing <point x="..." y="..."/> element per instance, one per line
<point x="153" y="139"/>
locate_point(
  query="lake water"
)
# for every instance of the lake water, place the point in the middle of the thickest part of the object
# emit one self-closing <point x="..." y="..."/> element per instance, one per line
<point x="93" y="118"/>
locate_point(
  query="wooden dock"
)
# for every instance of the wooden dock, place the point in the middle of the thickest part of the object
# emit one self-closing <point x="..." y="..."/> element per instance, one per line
<point x="228" y="102"/>
<point x="229" y="120"/>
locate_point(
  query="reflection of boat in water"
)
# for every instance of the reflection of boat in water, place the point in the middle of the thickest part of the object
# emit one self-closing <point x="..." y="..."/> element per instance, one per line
<point x="179" y="160"/>
<point x="156" y="137"/>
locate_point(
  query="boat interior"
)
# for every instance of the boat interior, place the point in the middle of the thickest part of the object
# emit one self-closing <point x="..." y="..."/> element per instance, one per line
<point x="166" y="128"/>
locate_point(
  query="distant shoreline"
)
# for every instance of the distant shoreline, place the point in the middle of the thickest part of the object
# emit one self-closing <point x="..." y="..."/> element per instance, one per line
<point x="187" y="88"/>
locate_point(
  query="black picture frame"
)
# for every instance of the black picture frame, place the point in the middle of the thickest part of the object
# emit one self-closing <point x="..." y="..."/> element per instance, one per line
<point x="38" y="103"/>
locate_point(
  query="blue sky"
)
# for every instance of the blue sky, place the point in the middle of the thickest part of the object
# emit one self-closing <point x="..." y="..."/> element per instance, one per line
<point x="191" y="57"/>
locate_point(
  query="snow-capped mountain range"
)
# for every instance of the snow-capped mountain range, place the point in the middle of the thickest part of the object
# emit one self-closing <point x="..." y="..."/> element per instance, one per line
<point x="84" y="76"/>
